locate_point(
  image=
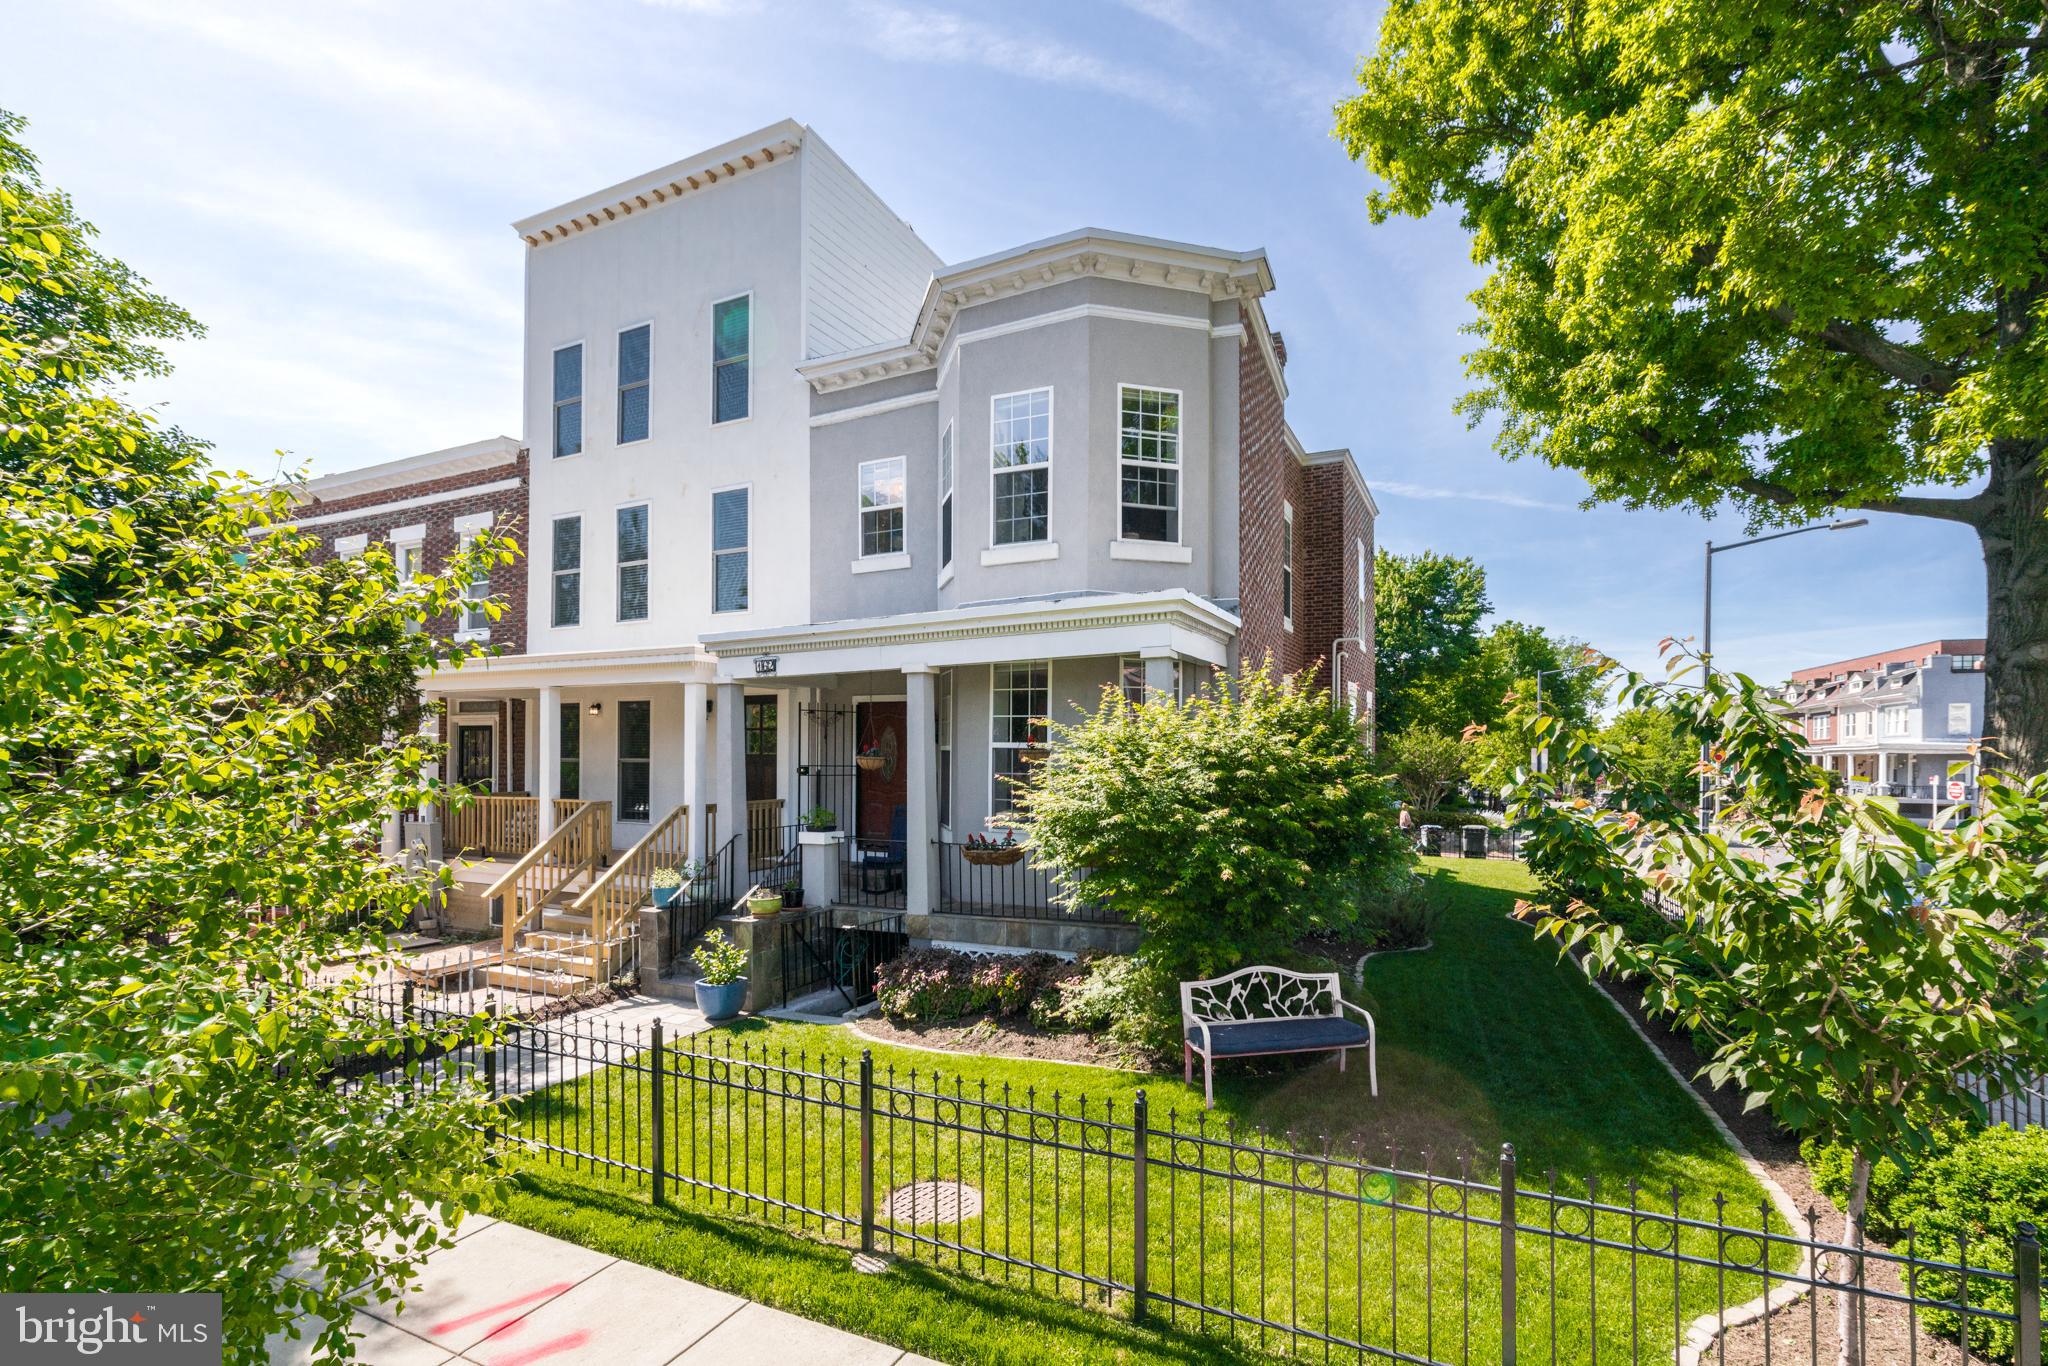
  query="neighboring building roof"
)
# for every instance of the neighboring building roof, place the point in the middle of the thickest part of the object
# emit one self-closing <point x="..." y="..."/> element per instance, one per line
<point x="1900" y="654"/>
<point x="411" y="469"/>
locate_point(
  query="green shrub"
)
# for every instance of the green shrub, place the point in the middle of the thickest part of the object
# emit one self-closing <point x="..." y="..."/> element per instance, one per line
<point x="1976" y="1195"/>
<point x="1403" y="917"/>
<point x="1120" y="997"/>
<point x="1225" y="827"/>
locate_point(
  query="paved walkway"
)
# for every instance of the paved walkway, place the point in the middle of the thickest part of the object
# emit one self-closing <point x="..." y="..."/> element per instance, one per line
<point x="507" y="1296"/>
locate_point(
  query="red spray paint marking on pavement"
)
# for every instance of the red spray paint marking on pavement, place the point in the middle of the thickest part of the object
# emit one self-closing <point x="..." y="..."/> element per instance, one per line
<point x="568" y="1342"/>
<point x="480" y="1315"/>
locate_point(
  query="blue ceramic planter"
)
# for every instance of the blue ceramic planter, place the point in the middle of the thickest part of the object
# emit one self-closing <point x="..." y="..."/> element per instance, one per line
<point x="721" y="1002"/>
<point x="664" y="895"/>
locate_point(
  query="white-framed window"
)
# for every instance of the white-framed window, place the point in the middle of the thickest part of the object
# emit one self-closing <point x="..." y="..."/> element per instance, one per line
<point x="1130" y="675"/>
<point x="636" y="740"/>
<point x="946" y="496"/>
<point x="572" y="749"/>
<point x="1148" y="455"/>
<point x="568" y="399"/>
<point x="1020" y="458"/>
<point x="473" y="618"/>
<point x="1364" y="584"/>
<point x="409" y="558"/>
<point x="567" y="595"/>
<point x="636" y="360"/>
<point x="1823" y="727"/>
<point x="732" y="350"/>
<point x="1018" y="702"/>
<point x="1959" y="718"/>
<point x="1966" y="664"/>
<point x="349" y="547"/>
<point x="944" y="741"/>
<point x="632" y="543"/>
<point x="1287" y="565"/>
<point x="1894" y="720"/>
<point x="1351" y="699"/>
<point x="881" y="506"/>
<point x="729" y="543"/>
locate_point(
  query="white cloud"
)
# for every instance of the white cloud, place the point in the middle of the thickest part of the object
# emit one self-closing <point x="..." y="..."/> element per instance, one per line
<point x="922" y="35"/>
<point x="1400" y="489"/>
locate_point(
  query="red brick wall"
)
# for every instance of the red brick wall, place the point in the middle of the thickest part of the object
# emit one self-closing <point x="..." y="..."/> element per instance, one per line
<point x="508" y="509"/>
<point x="1330" y="524"/>
<point x="1268" y="477"/>
<point x="511" y="718"/>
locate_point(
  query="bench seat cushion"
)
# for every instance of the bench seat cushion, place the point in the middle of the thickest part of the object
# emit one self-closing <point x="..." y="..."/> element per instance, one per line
<point x="1281" y="1036"/>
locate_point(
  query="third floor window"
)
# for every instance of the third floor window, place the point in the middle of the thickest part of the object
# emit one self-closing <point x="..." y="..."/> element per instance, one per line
<point x="634" y="364"/>
<point x="732" y="344"/>
<point x="1020" y="453"/>
<point x="1149" y="463"/>
<point x="569" y="400"/>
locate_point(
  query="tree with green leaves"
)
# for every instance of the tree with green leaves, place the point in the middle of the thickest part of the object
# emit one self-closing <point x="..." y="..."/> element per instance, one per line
<point x="1657" y="744"/>
<point x="1847" y="968"/>
<point x="188" y="899"/>
<point x="1783" y="256"/>
<point x="1426" y="613"/>
<point x="1426" y="763"/>
<point x="1226" y="826"/>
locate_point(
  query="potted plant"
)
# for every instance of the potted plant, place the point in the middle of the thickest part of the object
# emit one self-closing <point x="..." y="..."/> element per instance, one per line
<point x="870" y="758"/>
<point x="763" y="901"/>
<point x="792" y="895"/>
<point x="992" y="853"/>
<point x="723" y="986"/>
<point x="697" y="876"/>
<point x="821" y="820"/>
<point x="665" y="883"/>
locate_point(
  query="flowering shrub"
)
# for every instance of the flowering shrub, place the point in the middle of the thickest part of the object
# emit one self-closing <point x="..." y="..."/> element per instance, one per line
<point x="935" y="985"/>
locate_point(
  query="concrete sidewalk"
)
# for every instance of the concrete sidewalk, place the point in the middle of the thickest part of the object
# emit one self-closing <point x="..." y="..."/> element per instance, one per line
<point x="507" y="1296"/>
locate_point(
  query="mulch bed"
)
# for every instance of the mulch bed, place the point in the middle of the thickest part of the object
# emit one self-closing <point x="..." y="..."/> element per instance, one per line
<point x="1005" y="1038"/>
<point x="1803" y="1331"/>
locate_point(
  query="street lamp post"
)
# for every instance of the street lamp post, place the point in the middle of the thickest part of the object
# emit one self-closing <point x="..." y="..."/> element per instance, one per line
<point x="1707" y="618"/>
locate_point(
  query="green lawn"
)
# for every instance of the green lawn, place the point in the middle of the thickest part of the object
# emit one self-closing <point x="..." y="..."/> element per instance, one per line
<point x="1485" y="1038"/>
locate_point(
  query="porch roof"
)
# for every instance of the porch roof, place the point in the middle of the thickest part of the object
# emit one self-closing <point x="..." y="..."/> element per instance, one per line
<point x="1172" y="622"/>
<point x="574" y="668"/>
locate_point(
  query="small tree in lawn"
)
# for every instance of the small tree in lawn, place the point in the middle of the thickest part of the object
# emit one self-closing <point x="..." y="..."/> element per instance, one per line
<point x="1837" y="982"/>
<point x="192" y="777"/>
<point x="1225" y="827"/>
<point x="1426" y="763"/>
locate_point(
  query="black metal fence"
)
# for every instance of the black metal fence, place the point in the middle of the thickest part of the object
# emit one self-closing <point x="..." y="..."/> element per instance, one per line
<point x="1221" y="1231"/>
<point x="1020" y="890"/>
<point x="1478" y="840"/>
<point x="824" y="947"/>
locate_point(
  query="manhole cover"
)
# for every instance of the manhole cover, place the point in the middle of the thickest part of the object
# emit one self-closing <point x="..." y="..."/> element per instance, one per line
<point x="934" y="1202"/>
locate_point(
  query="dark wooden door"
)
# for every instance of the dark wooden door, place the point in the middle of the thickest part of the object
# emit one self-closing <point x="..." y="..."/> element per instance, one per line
<point x="762" y="719"/>
<point x="879" y="790"/>
<point x="473" y="756"/>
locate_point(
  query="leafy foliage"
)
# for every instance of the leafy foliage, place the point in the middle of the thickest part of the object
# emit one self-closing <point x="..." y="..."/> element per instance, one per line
<point x="1426" y="609"/>
<point x="1784" y="255"/>
<point x="1657" y="747"/>
<point x="719" y="961"/>
<point x="945" y="984"/>
<point x="1426" y="763"/>
<point x="1225" y="826"/>
<point x="180" y="884"/>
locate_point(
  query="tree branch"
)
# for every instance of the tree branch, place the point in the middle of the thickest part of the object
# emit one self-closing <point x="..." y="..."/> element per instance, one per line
<point x="1969" y="511"/>
<point x="1902" y="363"/>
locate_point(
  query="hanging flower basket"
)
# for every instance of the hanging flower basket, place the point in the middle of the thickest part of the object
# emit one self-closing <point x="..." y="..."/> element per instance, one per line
<point x="992" y="858"/>
<point x="871" y="762"/>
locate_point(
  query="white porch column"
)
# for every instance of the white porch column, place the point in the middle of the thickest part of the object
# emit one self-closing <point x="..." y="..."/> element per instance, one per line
<point x="696" y="765"/>
<point x="547" y="784"/>
<point x="729" y="775"/>
<point x="788" y="715"/>
<point x="921" y="788"/>
<point x="1160" y="674"/>
<point x="529" y="778"/>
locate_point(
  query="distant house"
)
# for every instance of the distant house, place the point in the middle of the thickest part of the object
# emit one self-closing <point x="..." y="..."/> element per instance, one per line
<point x="1895" y="723"/>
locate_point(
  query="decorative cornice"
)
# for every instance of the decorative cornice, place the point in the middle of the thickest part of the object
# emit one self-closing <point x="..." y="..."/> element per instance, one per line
<point x="926" y="628"/>
<point x="692" y="175"/>
<point x="412" y="469"/>
<point x="1088" y="253"/>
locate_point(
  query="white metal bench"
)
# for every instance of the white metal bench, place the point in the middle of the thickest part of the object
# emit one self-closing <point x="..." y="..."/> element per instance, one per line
<point x="1258" y="1011"/>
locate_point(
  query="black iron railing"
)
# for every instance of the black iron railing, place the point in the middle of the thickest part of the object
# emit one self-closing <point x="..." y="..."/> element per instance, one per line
<point x="1220" y="1231"/>
<point x="840" y="949"/>
<point x="1018" y="890"/>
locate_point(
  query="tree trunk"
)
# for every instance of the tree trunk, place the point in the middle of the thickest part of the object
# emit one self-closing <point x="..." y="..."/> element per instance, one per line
<point x="2014" y="534"/>
<point x="1848" y="1321"/>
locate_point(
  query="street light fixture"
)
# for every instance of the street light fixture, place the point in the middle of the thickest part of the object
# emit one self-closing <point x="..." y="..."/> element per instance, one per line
<point x="1707" y="623"/>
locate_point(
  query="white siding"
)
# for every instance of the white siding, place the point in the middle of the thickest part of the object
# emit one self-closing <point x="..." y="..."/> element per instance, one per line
<point x="865" y="271"/>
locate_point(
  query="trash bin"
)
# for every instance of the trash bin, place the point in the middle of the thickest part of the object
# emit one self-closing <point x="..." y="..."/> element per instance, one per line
<point x="1475" y="841"/>
<point x="1432" y="839"/>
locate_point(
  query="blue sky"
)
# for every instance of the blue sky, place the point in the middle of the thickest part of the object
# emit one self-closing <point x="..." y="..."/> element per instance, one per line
<point x="328" y="188"/>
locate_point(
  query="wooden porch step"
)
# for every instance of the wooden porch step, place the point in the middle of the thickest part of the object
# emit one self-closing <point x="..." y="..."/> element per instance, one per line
<point x="565" y="922"/>
<point x="540" y="981"/>
<point x="550" y="941"/>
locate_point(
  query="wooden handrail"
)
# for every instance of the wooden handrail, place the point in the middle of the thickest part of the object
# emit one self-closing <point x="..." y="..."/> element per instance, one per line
<point x="576" y="847"/>
<point x="490" y="824"/>
<point x="626" y="886"/>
